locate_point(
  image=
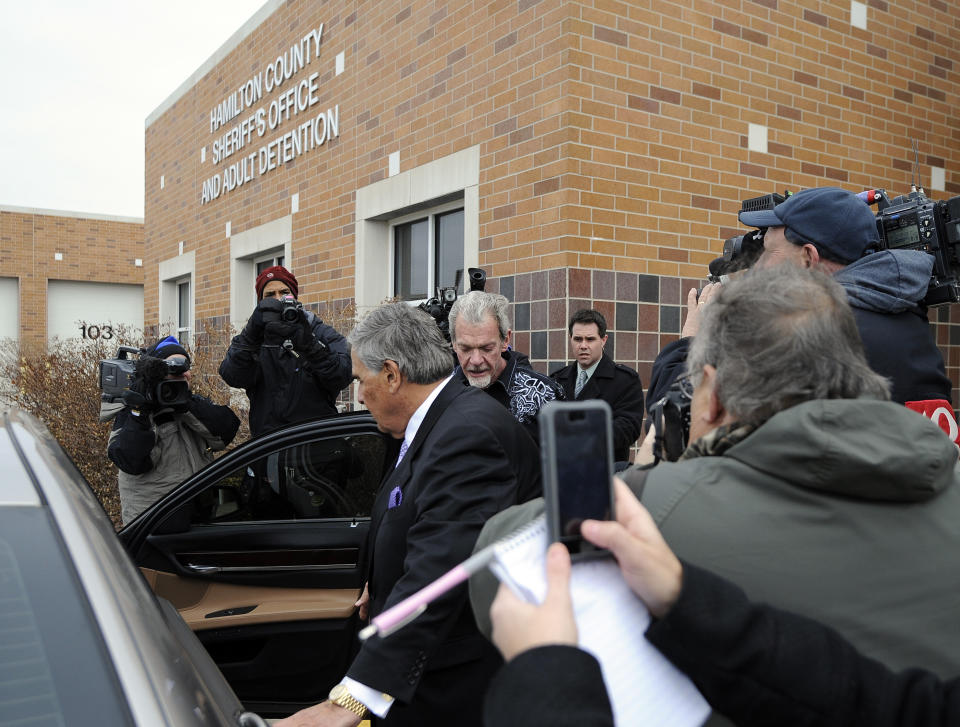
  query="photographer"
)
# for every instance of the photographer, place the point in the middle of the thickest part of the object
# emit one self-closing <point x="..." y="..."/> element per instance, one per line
<point x="291" y="363"/>
<point x="162" y="433"/>
<point x="831" y="230"/>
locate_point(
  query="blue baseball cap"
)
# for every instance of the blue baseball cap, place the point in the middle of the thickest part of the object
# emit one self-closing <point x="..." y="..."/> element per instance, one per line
<point x="833" y="219"/>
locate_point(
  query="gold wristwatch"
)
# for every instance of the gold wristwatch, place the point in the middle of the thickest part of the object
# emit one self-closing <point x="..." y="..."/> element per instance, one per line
<point x="341" y="696"/>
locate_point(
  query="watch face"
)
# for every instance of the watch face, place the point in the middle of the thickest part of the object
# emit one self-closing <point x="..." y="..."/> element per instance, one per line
<point x="338" y="691"/>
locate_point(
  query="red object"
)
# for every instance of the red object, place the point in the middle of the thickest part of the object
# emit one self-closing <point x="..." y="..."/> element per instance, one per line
<point x="941" y="413"/>
<point x="277" y="272"/>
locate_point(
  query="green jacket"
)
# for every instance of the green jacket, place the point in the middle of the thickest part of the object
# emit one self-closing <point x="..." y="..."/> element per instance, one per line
<point x="844" y="511"/>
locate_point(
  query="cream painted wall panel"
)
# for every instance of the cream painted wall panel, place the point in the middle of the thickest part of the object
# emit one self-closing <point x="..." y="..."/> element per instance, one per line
<point x="9" y="308"/>
<point x="71" y="302"/>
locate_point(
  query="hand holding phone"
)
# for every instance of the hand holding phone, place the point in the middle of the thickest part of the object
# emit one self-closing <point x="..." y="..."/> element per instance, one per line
<point x="576" y="454"/>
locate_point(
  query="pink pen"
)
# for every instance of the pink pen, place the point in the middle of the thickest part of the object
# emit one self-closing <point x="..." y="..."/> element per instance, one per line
<point x="409" y="608"/>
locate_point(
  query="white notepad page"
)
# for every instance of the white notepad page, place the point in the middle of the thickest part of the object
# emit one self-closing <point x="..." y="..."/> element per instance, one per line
<point x="644" y="687"/>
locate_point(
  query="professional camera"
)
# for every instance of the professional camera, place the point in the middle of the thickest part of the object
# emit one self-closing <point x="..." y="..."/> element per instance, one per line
<point x="117" y="374"/>
<point x="671" y="415"/>
<point x="671" y="418"/>
<point x="292" y="309"/>
<point x="915" y="222"/>
<point x="742" y="251"/>
<point x="439" y="306"/>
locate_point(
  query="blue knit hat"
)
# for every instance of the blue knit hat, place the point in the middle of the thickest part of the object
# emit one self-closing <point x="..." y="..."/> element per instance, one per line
<point x="167" y="347"/>
<point x="833" y="219"/>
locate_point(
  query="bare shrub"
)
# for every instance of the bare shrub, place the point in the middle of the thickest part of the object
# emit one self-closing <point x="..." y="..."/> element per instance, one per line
<point x="60" y="387"/>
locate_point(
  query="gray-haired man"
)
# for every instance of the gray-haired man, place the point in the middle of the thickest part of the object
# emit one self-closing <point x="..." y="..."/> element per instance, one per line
<point x="480" y="331"/>
<point x="462" y="459"/>
<point x="803" y="484"/>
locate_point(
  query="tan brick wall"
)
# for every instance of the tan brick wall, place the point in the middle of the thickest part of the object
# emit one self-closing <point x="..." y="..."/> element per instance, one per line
<point x="98" y="249"/>
<point x="613" y="135"/>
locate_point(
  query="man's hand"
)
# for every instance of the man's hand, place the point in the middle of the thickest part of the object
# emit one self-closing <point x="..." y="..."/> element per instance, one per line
<point x="645" y="454"/>
<point x="646" y="561"/>
<point x="363" y="603"/>
<point x="691" y="326"/>
<point x="267" y="310"/>
<point x="306" y="342"/>
<point x="518" y="626"/>
<point x="325" y="714"/>
<point x="136" y="399"/>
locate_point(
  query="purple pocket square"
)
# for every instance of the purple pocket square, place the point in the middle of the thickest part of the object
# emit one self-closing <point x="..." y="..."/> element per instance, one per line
<point x="396" y="497"/>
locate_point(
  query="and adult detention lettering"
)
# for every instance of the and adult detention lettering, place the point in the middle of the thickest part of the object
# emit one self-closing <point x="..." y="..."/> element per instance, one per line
<point x="245" y="123"/>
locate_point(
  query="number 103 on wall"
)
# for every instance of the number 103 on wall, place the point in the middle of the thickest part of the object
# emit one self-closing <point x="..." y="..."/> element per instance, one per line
<point x="93" y="332"/>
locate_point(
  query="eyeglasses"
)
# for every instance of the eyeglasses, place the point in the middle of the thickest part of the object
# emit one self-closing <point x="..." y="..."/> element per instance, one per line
<point x="685" y="383"/>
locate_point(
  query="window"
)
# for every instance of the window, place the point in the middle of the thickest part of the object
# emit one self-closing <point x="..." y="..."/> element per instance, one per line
<point x="176" y="296"/>
<point x="251" y="252"/>
<point x="56" y="669"/>
<point x="428" y="253"/>
<point x="334" y="478"/>
<point x="267" y="262"/>
<point x="183" y="310"/>
<point x="396" y="257"/>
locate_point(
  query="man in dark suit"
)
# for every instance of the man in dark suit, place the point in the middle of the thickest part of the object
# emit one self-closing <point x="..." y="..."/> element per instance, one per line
<point x="463" y="458"/>
<point x="594" y="375"/>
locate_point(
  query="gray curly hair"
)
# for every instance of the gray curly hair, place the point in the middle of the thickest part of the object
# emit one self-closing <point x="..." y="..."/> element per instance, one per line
<point x="779" y="337"/>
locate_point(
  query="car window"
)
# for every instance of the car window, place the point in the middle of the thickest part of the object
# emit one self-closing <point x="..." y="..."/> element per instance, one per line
<point x="336" y="477"/>
<point x="54" y="667"/>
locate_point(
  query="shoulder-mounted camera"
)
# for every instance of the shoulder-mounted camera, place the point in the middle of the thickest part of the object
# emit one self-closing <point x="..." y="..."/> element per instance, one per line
<point x="915" y="222"/>
<point x="117" y="376"/>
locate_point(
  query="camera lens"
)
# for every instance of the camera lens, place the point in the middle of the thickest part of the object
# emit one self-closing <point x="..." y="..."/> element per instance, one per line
<point x="173" y="393"/>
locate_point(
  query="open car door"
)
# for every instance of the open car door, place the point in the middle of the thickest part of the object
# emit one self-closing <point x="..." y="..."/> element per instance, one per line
<point x="262" y="554"/>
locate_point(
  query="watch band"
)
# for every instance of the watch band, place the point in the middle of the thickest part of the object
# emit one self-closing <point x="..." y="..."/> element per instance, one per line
<point x="341" y="696"/>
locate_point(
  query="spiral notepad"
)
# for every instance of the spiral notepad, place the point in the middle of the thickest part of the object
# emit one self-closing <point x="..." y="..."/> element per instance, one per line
<point x="644" y="687"/>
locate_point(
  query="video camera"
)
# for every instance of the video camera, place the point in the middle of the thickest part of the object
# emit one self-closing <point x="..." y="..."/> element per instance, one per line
<point x="915" y="222"/>
<point x="671" y="414"/>
<point x="117" y="374"/>
<point x="439" y="306"/>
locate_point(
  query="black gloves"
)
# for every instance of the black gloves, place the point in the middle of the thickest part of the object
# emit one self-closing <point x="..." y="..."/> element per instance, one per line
<point x="306" y="342"/>
<point x="297" y="336"/>
<point x="267" y="311"/>
<point x="136" y="400"/>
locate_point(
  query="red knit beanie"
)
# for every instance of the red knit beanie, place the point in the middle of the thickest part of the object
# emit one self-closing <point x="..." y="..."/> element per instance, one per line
<point x="277" y="272"/>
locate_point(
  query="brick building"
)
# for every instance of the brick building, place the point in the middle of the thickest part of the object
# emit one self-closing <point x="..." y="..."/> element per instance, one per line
<point x="68" y="275"/>
<point x="582" y="153"/>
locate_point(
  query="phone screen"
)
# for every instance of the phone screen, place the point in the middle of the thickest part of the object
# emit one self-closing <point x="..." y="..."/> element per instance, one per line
<point x="581" y="471"/>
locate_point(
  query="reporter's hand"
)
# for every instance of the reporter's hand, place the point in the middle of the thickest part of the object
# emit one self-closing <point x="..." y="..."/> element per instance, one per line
<point x="645" y="454"/>
<point x="650" y="568"/>
<point x="363" y="603"/>
<point x="691" y="326"/>
<point x="519" y="626"/>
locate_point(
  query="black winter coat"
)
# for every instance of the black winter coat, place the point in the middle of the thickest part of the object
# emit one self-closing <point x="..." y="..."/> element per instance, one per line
<point x="621" y="388"/>
<point x="283" y="387"/>
<point x="756" y="664"/>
